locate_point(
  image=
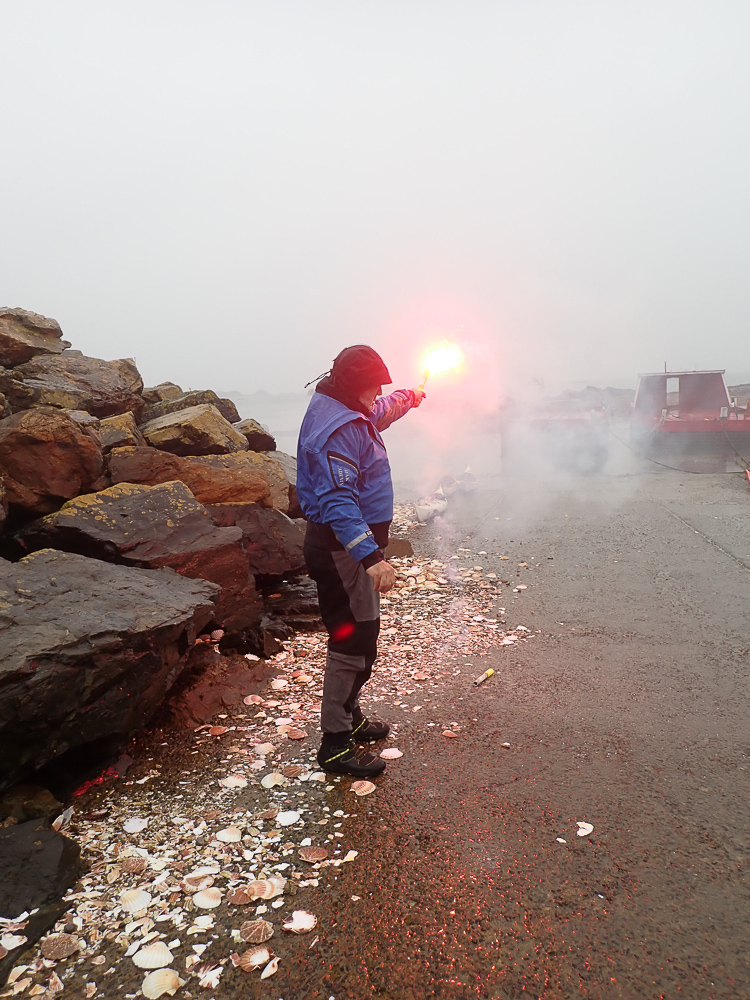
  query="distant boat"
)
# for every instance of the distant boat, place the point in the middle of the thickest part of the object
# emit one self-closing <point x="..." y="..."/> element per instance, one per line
<point x="427" y="507"/>
<point x="449" y="484"/>
<point x="468" y="481"/>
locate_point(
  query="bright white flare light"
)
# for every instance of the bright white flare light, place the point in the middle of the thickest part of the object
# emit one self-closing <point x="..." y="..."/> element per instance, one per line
<point x="442" y="358"/>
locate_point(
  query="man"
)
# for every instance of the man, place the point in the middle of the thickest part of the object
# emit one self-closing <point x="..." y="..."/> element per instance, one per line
<point x="345" y="491"/>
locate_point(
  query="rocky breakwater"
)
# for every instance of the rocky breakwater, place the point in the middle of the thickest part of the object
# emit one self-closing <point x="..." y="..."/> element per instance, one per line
<point x="132" y="520"/>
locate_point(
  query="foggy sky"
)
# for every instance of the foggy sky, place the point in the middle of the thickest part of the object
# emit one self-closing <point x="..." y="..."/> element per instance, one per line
<point x="233" y="191"/>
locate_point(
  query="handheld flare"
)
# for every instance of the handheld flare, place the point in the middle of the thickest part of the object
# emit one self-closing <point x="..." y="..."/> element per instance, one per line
<point x="424" y="380"/>
<point x="484" y="677"/>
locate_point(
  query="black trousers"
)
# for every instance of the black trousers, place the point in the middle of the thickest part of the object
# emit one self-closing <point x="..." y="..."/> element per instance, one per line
<point x="350" y="609"/>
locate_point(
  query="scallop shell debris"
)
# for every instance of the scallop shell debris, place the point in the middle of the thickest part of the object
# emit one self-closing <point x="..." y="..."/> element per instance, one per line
<point x="133" y="900"/>
<point x="159" y="982"/>
<point x="207" y="899"/>
<point x="300" y="922"/>
<point x="153" y="956"/>
<point x="362" y="787"/>
<point x="256" y="931"/>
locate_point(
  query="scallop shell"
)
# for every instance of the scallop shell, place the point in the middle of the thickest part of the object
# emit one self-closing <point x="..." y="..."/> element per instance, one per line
<point x="207" y="899"/>
<point x="134" y="866"/>
<point x="159" y="982"/>
<point x="273" y="779"/>
<point x="300" y="922"/>
<point x="263" y="748"/>
<point x="266" y="888"/>
<point x="362" y="787"/>
<point x="239" y="897"/>
<point x="254" y="958"/>
<point x="391" y="754"/>
<point x="252" y="699"/>
<point x="209" y="978"/>
<point x="296" y="734"/>
<point x="256" y="931"/>
<point x="287" y="818"/>
<point x="271" y="813"/>
<point x="294" y="771"/>
<point x="270" y="969"/>
<point x="58" y="946"/>
<point x="313" y="854"/>
<point x="11" y="941"/>
<point x="230" y="835"/>
<point x="584" y="829"/>
<point x="233" y="781"/>
<point x="135" y="825"/>
<point x="153" y="956"/>
<point x="217" y="730"/>
<point x="3" y="952"/>
<point x="203" y="870"/>
<point x="133" y="900"/>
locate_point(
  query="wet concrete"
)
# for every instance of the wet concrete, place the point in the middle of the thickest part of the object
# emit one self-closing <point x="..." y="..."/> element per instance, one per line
<point x="629" y="711"/>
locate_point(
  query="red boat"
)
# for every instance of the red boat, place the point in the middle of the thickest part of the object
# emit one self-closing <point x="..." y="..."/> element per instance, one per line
<point x="688" y="412"/>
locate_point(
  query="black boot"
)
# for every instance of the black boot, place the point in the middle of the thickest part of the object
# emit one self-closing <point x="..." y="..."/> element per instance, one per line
<point x="345" y="757"/>
<point x="370" y="730"/>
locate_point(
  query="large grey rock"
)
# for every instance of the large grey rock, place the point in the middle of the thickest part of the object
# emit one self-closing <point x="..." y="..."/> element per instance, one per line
<point x="258" y="438"/>
<point x="87" y="651"/>
<point x="164" y="390"/>
<point x="272" y="541"/>
<point x="24" y="334"/>
<point x="47" y="456"/>
<point x="153" y="527"/>
<point x="198" y="430"/>
<point x="76" y="382"/>
<point x="173" y="404"/>
<point x="37" y="867"/>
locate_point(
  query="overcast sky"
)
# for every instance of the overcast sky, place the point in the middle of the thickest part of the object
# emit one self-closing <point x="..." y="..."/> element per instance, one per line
<point x="232" y="191"/>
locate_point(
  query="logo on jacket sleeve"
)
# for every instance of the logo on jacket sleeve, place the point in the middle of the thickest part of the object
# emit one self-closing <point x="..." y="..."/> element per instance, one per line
<point x="344" y="471"/>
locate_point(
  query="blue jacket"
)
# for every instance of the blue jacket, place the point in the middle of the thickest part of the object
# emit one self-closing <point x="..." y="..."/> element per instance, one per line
<point x="343" y="474"/>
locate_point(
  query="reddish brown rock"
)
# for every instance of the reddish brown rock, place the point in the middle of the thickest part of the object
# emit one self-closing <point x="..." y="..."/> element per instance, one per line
<point x="153" y="527"/>
<point x="283" y="494"/>
<point x="76" y="382"/>
<point x="25" y="334"/>
<point x="47" y="457"/>
<point x="120" y="431"/>
<point x="239" y="484"/>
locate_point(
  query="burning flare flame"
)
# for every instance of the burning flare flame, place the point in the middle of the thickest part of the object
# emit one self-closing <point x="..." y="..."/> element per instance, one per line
<point x="442" y="358"/>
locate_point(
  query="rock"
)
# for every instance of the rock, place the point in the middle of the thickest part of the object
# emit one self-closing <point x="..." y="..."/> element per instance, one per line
<point x="208" y="485"/>
<point x="24" y="802"/>
<point x="258" y="439"/>
<point x="153" y="527"/>
<point x="295" y="604"/>
<point x="164" y="390"/>
<point x="87" y="651"/>
<point x="37" y="867"/>
<point x="272" y="541"/>
<point x="75" y="382"/>
<point x="398" y="548"/>
<point x="199" y="430"/>
<point x="3" y="504"/>
<point x="46" y="457"/>
<point x="5" y="410"/>
<point x="213" y="682"/>
<point x="120" y="431"/>
<point x="25" y="334"/>
<point x="186" y="400"/>
<point x="283" y="494"/>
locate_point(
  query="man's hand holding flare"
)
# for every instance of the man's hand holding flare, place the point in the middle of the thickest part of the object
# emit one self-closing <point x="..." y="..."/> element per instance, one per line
<point x="419" y="395"/>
